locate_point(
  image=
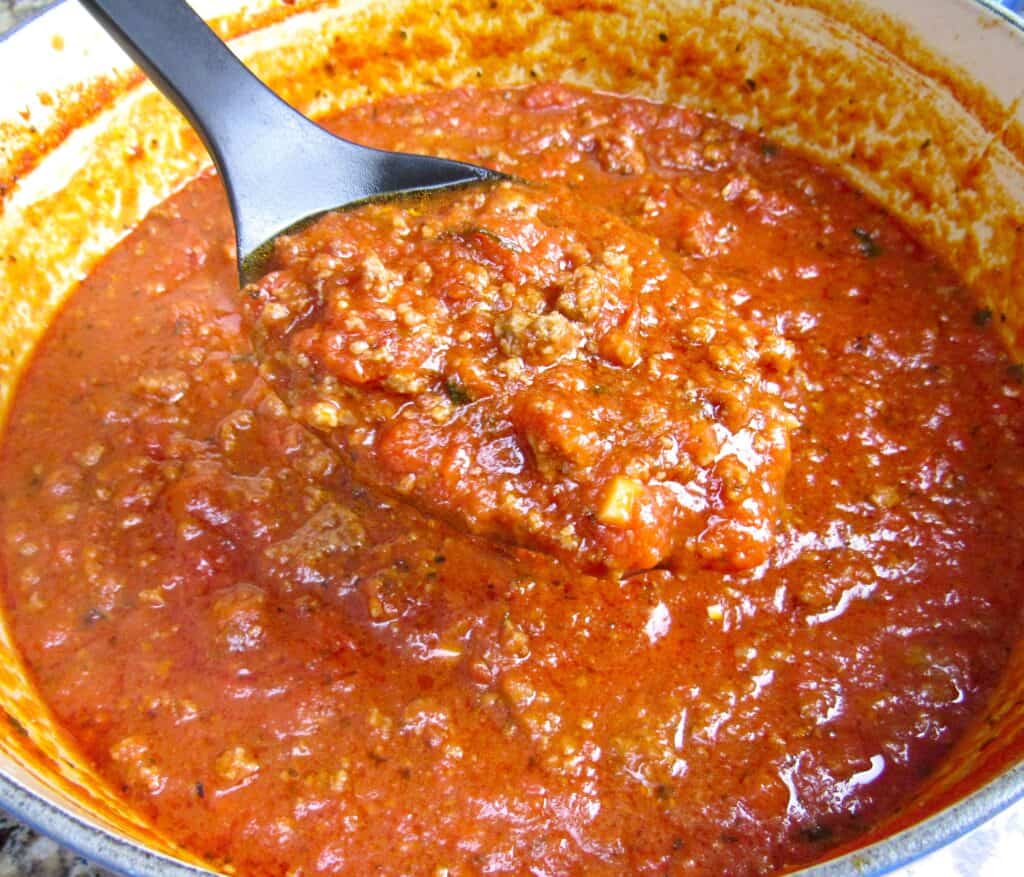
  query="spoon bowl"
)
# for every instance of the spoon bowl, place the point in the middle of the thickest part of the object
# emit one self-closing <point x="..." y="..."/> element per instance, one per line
<point x="280" y="169"/>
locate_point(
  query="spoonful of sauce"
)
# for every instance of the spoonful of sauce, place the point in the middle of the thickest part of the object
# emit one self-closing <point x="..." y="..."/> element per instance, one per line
<point x="279" y="168"/>
<point x="534" y="370"/>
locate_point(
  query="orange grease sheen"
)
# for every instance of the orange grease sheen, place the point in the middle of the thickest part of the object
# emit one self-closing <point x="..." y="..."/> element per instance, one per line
<point x="287" y="670"/>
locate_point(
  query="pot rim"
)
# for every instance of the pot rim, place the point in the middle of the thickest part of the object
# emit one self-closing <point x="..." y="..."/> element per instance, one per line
<point x="120" y="855"/>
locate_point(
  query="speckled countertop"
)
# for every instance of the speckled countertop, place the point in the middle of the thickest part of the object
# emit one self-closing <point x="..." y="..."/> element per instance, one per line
<point x="12" y="11"/>
<point x="996" y="849"/>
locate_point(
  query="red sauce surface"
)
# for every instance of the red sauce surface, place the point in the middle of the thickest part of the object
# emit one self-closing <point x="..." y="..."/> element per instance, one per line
<point x="292" y="671"/>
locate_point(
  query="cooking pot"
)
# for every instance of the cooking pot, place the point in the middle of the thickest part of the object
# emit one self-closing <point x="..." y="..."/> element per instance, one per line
<point x="920" y="105"/>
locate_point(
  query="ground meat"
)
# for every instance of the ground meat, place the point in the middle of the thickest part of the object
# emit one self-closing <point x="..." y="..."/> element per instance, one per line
<point x="305" y="557"/>
<point x="540" y="340"/>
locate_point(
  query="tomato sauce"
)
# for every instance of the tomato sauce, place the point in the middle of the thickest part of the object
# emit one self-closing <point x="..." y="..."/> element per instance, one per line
<point x="294" y="664"/>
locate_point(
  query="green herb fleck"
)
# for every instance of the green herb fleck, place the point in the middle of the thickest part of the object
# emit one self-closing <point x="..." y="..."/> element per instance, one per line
<point x="663" y="37"/>
<point x="1016" y="371"/>
<point x="982" y="317"/>
<point x="751" y="84"/>
<point x="200" y="790"/>
<point x="18" y="726"/>
<point x="769" y="149"/>
<point x="457" y="393"/>
<point x="868" y="245"/>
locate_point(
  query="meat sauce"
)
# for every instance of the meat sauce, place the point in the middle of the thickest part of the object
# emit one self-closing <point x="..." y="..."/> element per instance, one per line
<point x="297" y="660"/>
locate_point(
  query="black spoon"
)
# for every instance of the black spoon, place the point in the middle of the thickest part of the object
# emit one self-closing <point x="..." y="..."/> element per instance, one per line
<point x="279" y="168"/>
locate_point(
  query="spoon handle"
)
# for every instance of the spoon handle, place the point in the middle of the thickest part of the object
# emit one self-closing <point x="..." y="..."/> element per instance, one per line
<point x="245" y="126"/>
<point x="195" y="69"/>
<point x="278" y="166"/>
